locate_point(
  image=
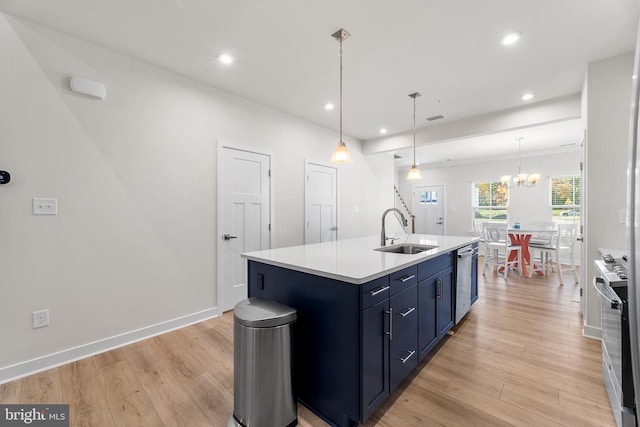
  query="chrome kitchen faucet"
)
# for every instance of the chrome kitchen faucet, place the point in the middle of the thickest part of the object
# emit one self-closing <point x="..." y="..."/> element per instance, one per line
<point x="383" y="240"/>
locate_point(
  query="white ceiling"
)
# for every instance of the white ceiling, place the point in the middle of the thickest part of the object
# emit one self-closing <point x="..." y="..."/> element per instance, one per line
<point x="449" y="51"/>
<point x="536" y="140"/>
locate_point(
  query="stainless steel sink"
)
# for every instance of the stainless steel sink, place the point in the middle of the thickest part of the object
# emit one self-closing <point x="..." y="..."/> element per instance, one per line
<point x="406" y="248"/>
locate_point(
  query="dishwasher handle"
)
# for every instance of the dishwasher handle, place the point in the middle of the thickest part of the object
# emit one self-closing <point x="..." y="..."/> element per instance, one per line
<point x="465" y="252"/>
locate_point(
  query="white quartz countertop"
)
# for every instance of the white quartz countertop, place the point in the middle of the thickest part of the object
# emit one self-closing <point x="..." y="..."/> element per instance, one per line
<point x="355" y="260"/>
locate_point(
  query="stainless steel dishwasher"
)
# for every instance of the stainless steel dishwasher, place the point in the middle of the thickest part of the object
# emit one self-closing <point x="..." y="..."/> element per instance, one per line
<point x="463" y="281"/>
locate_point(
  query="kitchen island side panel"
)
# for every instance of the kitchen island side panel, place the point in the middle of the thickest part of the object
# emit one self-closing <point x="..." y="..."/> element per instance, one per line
<point x="327" y="336"/>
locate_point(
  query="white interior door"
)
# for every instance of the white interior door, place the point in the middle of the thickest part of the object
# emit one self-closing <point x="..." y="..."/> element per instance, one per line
<point x="320" y="203"/>
<point x="244" y="188"/>
<point x="428" y="207"/>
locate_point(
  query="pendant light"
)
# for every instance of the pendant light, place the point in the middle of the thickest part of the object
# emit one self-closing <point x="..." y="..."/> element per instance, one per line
<point x="414" y="172"/>
<point x="341" y="154"/>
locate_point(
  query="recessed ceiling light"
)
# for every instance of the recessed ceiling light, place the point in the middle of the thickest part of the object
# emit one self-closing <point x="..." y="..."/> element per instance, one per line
<point x="225" y="58"/>
<point x="527" y="97"/>
<point x="383" y="131"/>
<point x="329" y="106"/>
<point x="511" y="38"/>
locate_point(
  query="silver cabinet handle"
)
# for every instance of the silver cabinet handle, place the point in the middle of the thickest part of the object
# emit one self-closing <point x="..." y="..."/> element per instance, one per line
<point x="407" y="311"/>
<point x="228" y="237"/>
<point x="404" y="359"/>
<point x="377" y="291"/>
<point x="406" y="278"/>
<point x="333" y="228"/>
<point x="390" y="333"/>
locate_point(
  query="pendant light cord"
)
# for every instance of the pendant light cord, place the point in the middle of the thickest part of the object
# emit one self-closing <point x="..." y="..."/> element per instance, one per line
<point x="341" y="88"/>
<point x="414" y="130"/>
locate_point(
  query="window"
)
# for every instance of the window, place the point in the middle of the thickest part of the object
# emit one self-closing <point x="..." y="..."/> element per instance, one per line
<point x="428" y="197"/>
<point x="565" y="198"/>
<point x="490" y="201"/>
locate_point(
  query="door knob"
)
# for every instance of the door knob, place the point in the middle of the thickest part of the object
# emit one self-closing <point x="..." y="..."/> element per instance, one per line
<point x="228" y="237"/>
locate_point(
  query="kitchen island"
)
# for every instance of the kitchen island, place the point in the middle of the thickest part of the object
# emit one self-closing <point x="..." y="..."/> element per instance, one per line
<point x="365" y="317"/>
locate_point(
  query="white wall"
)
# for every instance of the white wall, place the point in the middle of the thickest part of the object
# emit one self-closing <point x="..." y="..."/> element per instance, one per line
<point x="134" y="243"/>
<point x="608" y="105"/>
<point x="525" y="205"/>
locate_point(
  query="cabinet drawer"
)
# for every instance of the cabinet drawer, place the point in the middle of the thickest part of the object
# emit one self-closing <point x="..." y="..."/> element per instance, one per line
<point x="403" y="357"/>
<point x="374" y="291"/>
<point x="404" y="309"/>
<point x="403" y="279"/>
<point x="434" y="265"/>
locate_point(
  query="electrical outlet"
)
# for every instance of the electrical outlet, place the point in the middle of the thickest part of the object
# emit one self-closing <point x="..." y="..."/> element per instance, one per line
<point x="40" y="318"/>
<point x="42" y="206"/>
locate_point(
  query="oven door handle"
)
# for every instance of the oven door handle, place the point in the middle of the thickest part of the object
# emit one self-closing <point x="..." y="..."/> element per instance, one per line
<point x="615" y="305"/>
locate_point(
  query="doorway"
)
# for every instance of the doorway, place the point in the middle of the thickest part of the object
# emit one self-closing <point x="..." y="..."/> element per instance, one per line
<point x="320" y="203"/>
<point x="428" y="207"/>
<point x="244" y="217"/>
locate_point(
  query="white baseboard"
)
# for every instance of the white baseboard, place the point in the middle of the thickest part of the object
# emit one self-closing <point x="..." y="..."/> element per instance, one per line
<point x="29" y="367"/>
<point x="592" y="332"/>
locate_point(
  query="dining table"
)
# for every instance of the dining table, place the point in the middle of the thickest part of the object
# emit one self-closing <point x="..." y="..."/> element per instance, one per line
<point x="522" y="237"/>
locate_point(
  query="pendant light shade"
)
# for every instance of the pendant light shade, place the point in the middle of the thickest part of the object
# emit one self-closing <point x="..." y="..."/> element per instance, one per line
<point x="414" y="172"/>
<point x="341" y="153"/>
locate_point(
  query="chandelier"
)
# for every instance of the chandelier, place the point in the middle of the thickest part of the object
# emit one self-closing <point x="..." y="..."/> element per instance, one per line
<point x="521" y="179"/>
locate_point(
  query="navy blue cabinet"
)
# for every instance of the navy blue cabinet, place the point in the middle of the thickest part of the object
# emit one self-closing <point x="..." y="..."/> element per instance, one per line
<point x="435" y="302"/>
<point x="354" y="344"/>
<point x="403" y="315"/>
<point x="375" y="357"/>
<point x="444" y="302"/>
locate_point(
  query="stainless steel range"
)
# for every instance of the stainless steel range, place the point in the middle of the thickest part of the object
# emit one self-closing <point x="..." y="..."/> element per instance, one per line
<point x="611" y="286"/>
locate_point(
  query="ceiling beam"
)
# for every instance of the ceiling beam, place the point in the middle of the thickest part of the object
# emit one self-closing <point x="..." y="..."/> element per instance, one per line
<point x="544" y="112"/>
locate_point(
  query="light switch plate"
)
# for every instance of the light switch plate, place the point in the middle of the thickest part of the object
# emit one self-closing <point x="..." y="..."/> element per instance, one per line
<point x="45" y="206"/>
<point x="622" y="216"/>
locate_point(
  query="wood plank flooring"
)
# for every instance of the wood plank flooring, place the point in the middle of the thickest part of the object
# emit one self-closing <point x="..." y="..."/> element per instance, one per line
<point x="518" y="359"/>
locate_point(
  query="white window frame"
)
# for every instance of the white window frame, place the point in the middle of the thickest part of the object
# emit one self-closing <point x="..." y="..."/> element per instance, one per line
<point x="475" y="203"/>
<point x="573" y="210"/>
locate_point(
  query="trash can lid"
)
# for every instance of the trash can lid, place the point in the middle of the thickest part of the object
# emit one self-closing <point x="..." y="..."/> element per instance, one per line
<point x="260" y="313"/>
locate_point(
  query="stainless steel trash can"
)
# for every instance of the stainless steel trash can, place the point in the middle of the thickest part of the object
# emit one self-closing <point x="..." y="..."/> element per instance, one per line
<point x="262" y="385"/>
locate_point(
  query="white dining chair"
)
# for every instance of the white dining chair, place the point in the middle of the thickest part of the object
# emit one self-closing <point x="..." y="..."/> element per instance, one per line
<point x="550" y="255"/>
<point x="542" y="249"/>
<point x="477" y="230"/>
<point x="543" y="238"/>
<point x="498" y="248"/>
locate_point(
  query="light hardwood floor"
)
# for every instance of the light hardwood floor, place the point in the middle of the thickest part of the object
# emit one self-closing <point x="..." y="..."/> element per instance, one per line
<point x="517" y="359"/>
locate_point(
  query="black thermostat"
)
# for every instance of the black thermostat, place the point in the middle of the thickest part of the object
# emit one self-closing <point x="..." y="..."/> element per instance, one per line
<point x="5" y="177"/>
